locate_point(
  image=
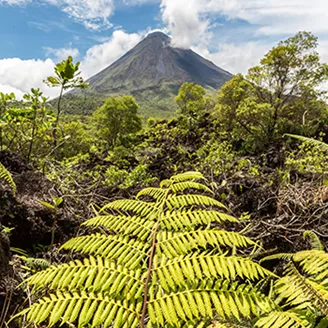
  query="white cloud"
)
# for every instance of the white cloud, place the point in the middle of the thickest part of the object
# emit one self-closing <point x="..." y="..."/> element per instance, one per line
<point x="184" y="22"/>
<point x="59" y="54"/>
<point x="94" y="14"/>
<point x="19" y="76"/>
<point x="139" y="2"/>
<point x="189" y="21"/>
<point x="102" y="55"/>
<point x="14" y="2"/>
<point x="7" y="89"/>
<point x="236" y="58"/>
<point x="275" y="16"/>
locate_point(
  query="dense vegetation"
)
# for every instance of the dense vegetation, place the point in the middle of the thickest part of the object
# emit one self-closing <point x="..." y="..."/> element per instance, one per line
<point x="241" y="244"/>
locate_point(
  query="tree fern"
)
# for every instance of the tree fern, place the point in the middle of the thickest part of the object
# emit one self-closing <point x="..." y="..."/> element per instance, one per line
<point x="303" y="290"/>
<point x="160" y="260"/>
<point x="6" y="176"/>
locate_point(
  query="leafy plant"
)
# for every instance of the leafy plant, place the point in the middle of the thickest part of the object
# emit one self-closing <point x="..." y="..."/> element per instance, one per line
<point x="160" y="260"/>
<point x="37" y="101"/>
<point x="66" y="77"/>
<point x="280" y="95"/>
<point x="56" y="202"/>
<point x="6" y="176"/>
<point x="311" y="156"/>
<point x="5" y="100"/>
<point x="303" y="287"/>
<point x="117" y="118"/>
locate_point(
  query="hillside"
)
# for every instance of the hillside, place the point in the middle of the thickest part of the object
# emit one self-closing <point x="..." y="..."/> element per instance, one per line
<point x="152" y="72"/>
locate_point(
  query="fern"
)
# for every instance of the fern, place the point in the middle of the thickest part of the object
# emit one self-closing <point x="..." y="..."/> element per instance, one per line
<point x="6" y="176"/>
<point x="160" y="260"/>
<point x="303" y="288"/>
<point x="310" y="141"/>
<point x="314" y="240"/>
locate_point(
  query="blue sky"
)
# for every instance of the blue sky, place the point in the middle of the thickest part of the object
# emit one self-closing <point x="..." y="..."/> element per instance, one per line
<point x="26" y="30"/>
<point x="234" y="34"/>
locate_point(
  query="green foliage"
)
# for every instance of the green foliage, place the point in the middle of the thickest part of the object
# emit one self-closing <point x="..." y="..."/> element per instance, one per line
<point x="310" y="157"/>
<point x="191" y="99"/>
<point x="66" y="77"/>
<point x="216" y="157"/>
<point x="303" y="289"/>
<point x="309" y="141"/>
<point x="160" y="260"/>
<point x="115" y="176"/>
<point x="7" y="177"/>
<point x="138" y="176"/>
<point x="123" y="179"/>
<point x="27" y="126"/>
<point x="117" y="118"/>
<point x="281" y="95"/>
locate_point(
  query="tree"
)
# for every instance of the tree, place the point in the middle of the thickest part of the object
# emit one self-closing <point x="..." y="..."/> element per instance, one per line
<point x="281" y="95"/>
<point x="5" y="100"/>
<point x="37" y="101"/>
<point x="117" y="118"/>
<point x="191" y="100"/>
<point x="66" y="77"/>
<point x="26" y="125"/>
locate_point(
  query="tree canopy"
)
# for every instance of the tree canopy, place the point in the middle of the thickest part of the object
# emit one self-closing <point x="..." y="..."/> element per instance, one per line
<point x="282" y="94"/>
<point x="118" y="117"/>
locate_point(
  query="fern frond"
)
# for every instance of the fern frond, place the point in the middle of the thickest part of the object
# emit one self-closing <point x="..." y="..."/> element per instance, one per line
<point x="309" y="141"/>
<point x="173" y="244"/>
<point x="121" y="249"/>
<point x="299" y="290"/>
<point x="188" y="176"/>
<point x="162" y="263"/>
<point x="281" y="256"/>
<point x="188" y="219"/>
<point x="183" y="201"/>
<point x="92" y="275"/>
<point x="129" y="205"/>
<point x="6" y="176"/>
<point x="82" y="308"/>
<point x="38" y="262"/>
<point x="313" y="262"/>
<point x="314" y="240"/>
<point x="182" y="186"/>
<point x="156" y="193"/>
<point x="227" y="300"/>
<point x="288" y="288"/>
<point x="124" y="225"/>
<point x="230" y="324"/>
<point x="277" y="319"/>
<point x="184" y="270"/>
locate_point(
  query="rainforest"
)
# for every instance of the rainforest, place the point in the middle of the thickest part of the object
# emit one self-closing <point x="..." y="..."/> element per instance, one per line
<point x="211" y="212"/>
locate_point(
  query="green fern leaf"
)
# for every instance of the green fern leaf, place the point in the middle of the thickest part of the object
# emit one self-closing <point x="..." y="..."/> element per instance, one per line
<point x="6" y="176"/>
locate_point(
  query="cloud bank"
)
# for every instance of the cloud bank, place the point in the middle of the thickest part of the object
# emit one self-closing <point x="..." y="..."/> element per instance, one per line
<point x="18" y="76"/>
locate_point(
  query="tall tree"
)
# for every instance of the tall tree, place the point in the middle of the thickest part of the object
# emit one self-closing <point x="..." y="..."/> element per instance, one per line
<point x="118" y="117"/>
<point x="289" y="79"/>
<point x="283" y="94"/>
<point x="191" y="99"/>
<point x="66" y="77"/>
